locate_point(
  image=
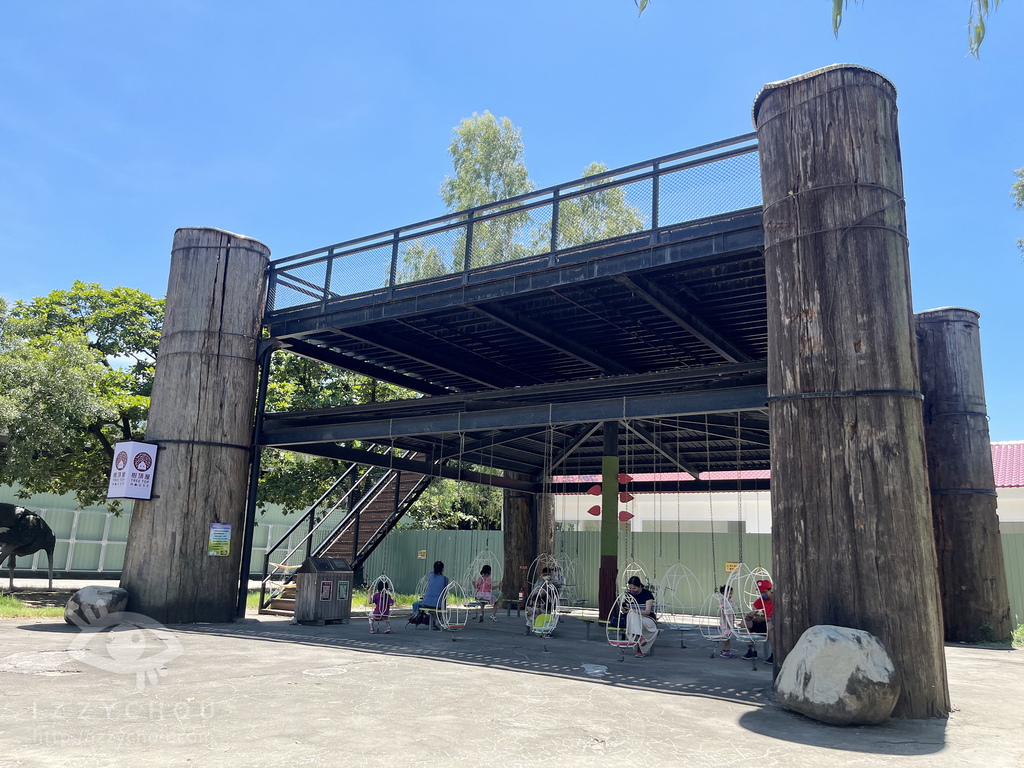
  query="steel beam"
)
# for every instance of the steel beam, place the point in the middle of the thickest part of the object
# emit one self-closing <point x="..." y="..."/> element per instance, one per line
<point x="464" y="364"/>
<point x="331" y="451"/>
<point x="679" y="314"/>
<point x="329" y="356"/>
<point x="722" y="236"/>
<point x="658" y="446"/>
<point x="524" y="415"/>
<point x="540" y="332"/>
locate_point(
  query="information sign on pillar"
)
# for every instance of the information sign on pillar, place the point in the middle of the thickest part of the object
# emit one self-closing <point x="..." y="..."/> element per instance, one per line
<point x="131" y="475"/>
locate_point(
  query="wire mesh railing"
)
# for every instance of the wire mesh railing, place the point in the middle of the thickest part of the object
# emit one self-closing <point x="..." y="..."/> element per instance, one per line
<point x="703" y="182"/>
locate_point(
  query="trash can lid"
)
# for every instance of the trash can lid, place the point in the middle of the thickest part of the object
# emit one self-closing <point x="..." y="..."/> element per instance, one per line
<point x="320" y="564"/>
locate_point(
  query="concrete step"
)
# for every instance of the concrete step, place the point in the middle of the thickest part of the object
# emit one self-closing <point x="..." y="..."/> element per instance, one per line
<point x="276" y="612"/>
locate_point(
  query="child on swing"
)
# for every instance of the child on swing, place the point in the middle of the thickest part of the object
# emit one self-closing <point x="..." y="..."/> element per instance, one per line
<point x="381" y="602"/>
<point x="484" y="593"/>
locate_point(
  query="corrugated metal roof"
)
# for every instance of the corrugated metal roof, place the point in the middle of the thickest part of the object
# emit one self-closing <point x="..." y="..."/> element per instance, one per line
<point x="1008" y="463"/>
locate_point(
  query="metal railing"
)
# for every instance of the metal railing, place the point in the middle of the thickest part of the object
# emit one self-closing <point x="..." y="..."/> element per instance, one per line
<point x="321" y="518"/>
<point x="325" y="526"/>
<point x="694" y="184"/>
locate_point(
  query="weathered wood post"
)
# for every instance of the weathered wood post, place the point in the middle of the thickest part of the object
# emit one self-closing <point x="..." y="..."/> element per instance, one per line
<point x="201" y="418"/>
<point x="852" y="535"/>
<point x="517" y="537"/>
<point x="975" y="600"/>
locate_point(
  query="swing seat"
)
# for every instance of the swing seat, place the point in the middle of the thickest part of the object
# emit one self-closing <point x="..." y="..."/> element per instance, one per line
<point x="544" y="624"/>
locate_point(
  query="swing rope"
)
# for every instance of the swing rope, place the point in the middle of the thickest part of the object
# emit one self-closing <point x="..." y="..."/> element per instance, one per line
<point x="711" y="499"/>
<point x="739" y="485"/>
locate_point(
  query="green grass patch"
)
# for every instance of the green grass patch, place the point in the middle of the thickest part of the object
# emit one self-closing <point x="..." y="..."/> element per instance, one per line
<point x="13" y="608"/>
<point x="359" y="597"/>
<point x="1018" y="636"/>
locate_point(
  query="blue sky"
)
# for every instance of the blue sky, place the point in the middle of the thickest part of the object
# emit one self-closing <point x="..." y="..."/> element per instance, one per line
<point x="303" y="124"/>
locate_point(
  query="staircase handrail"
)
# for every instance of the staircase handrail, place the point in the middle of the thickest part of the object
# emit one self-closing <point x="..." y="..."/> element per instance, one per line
<point x="385" y="527"/>
<point x="353" y="514"/>
<point x="268" y="575"/>
<point x="312" y="508"/>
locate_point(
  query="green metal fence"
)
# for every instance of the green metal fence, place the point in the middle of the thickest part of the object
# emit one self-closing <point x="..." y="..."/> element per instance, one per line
<point x="92" y="540"/>
<point x="656" y="552"/>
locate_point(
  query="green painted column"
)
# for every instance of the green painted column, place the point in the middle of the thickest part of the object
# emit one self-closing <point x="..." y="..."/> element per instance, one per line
<point x="609" y="571"/>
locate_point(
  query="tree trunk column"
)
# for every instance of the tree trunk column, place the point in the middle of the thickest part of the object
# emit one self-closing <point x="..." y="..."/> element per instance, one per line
<point x="201" y="418"/>
<point x="517" y="534"/>
<point x="975" y="601"/>
<point x="852" y="539"/>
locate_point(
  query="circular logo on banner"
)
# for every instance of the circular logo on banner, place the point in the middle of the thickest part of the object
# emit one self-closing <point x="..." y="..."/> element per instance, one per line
<point x="121" y="461"/>
<point x="143" y="461"/>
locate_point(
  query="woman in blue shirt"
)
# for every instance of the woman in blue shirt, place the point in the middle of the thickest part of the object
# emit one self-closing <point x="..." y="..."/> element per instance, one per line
<point x="436" y="583"/>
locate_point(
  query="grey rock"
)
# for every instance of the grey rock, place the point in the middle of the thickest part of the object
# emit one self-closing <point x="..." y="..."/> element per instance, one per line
<point x="90" y="604"/>
<point x="839" y="676"/>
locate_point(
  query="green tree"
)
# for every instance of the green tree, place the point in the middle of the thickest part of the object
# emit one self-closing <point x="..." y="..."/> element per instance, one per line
<point x="487" y="160"/>
<point x="76" y="371"/>
<point x="597" y="215"/>
<point x="296" y="480"/>
<point x="448" y="504"/>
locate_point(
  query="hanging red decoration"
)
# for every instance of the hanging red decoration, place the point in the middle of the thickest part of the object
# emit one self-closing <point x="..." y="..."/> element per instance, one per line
<point x="624" y="478"/>
<point x="625" y="497"/>
<point x="624" y="516"/>
<point x="595" y="490"/>
<point x="595" y="510"/>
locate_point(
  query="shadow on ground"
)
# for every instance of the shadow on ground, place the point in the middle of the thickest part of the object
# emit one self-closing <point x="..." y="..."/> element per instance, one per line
<point x="895" y="737"/>
<point x="670" y="670"/>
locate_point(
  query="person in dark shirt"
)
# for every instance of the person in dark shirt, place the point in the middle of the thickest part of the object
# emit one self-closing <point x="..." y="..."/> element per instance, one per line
<point x="641" y="623"/>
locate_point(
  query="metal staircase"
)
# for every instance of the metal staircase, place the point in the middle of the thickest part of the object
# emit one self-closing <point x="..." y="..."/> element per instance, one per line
<point x="349" y="521"/>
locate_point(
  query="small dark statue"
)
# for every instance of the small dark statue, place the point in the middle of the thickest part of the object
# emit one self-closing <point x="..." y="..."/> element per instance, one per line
<point x="24" y="533"/>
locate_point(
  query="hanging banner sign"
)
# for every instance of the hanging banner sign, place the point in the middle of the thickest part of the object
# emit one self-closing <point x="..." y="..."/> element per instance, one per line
<point x="325" y="590"/>
<point x="421" y="554"/>
<point x="220" y="540"/>
<point x="730" y="567"/>
<point x="131" y="475"/>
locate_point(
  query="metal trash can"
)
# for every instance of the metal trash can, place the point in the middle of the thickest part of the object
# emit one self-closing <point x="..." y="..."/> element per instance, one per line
<point x="323" y="591"/>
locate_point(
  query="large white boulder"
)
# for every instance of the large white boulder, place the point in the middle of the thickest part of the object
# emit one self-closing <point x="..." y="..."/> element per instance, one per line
<point x="839" y="676"/>
<point x="91" y="604"/>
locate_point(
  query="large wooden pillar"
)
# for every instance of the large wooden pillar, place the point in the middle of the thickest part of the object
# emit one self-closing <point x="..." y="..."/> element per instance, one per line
<point x="201" y="417"/>
<point x="607" y="580"/>
<point x="852" y="538"/>
<point x="517" y="537"/>
<point x="975" y="601"/>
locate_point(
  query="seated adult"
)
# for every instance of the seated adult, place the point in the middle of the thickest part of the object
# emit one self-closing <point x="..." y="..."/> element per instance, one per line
<point x="759" y="620"/>
<point x="436" y="583"/>
<point x="641" y="624"/>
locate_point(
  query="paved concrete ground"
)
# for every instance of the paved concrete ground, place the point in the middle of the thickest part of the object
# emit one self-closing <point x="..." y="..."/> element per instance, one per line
<point x="264" y="692"/>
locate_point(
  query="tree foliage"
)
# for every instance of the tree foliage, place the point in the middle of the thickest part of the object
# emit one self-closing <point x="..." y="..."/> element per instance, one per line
<point x="978" y="11"/>
<point x="1017" y="190"/>
<point x="487" y="159"/>
<point x="598" y="215"/>
<point x="448" y="505"/>
<point x="76" y="371"/>
<point x="296" y="480"/>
